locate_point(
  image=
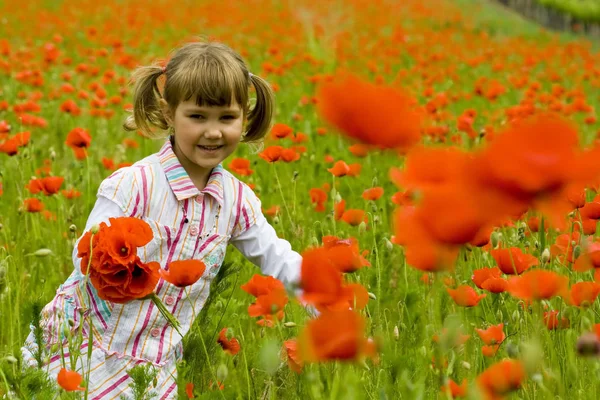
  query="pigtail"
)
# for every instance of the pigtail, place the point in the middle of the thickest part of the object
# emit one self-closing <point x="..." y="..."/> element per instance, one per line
<point x="147" y="113"/>
<point x="259" y="118"/>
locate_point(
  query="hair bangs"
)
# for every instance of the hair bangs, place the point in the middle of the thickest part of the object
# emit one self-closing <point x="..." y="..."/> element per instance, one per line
<point x="212" y="82"/>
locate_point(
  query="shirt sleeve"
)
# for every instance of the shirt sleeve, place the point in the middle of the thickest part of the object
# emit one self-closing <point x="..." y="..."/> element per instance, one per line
<point x="259" y="243"/>
<point x="102" y="211"/>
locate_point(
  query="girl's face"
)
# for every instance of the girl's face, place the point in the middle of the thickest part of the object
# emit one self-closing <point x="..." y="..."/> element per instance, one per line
<point x="205" y="136"/>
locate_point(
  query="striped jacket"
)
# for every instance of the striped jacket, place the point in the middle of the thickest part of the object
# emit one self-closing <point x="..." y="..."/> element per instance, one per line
<point x="188" y="224"/>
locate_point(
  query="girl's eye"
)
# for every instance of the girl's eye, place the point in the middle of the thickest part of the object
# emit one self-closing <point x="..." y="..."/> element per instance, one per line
<point x="228" y="117"/>
<point x="196" y="116"/>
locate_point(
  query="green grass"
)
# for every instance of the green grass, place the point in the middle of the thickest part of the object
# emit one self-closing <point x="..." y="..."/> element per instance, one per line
<point x="403" y="304"/>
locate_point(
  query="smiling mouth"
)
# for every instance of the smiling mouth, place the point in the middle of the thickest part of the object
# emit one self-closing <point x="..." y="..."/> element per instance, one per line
<point x="210" y="148"/>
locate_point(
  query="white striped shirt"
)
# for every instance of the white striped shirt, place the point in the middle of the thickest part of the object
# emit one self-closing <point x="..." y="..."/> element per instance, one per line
<point x="158" y="190"/>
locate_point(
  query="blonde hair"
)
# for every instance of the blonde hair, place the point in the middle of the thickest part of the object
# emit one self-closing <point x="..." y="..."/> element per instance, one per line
<point x="211" y="73"/>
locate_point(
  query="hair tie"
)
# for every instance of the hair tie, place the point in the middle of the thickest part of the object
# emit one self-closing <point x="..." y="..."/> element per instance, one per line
<point x="250" y="74"/>
<point x="164" y="70"/>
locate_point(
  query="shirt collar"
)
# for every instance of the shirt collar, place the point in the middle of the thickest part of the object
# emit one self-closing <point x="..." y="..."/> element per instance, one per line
<point x="180" y="181"/>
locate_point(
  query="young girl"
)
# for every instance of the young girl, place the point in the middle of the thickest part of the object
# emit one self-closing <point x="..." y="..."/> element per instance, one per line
<point x="194" y="206"/>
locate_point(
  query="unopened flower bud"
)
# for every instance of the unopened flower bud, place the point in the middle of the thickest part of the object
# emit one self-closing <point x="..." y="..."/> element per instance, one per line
<point x="396" y="333"/>
<point x="545" y="256"/>
<point x="222" y="372"/>
<point x="42" y="253"/>
<point x="372" y="296"/>
<point x="72" y="228"/>
<point x="95" y="229"/>
<point x="362" y="228"/>
<point x="389" y="245"/>
<point x="10" y="359"/>
<point x="338" y="198"/>
<point x="495" y="239"/>
<point x="576" y="252"/>
<point x="71" y="322"/>
<point x="466" y="365"/>
<point x="289" y="324"/>
<point x="588" y="345"/>
<point x="276" y="219"/>
<point x="52" y="155"/>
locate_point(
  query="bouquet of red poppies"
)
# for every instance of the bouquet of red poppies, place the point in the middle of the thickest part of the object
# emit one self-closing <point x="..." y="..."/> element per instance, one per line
<point x="109" y="257"/>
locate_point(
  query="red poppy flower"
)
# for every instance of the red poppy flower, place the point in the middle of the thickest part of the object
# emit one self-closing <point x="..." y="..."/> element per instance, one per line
<point x="33" y="205"/>
<point x="483" y="274"/>
<point x="189" y="390"/>
<point x="465" y="296"/>
<point x="538" y="285"/>
<point x="335" y="335"/>
<point x="339" y="169"/>
<point x="241" y="166"/>
<point x="318" y="197"/>
<point x="584" y="293"/>
<point x="502" y="378"/>
<point x="513" y="261"/>
<point x="271" y="154"/>
<point x="229" y="344"/>
<point x="182" y="273"/>
<point x="291" y="353"/>
<point x="373" y="193"/>
<point x="492" y="335"/>
<point x="377" y="115"/>
<point x="354" y="217"/>
<point x="552" y="321"/>
<point x="280" y="131"/>
<point x="454" y="389"/>
<point x="69" y="380"/>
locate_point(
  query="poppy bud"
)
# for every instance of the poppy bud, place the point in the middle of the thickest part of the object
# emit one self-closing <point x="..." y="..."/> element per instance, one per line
<point x="545" y="256"/>
<point x="222" y="372"/>
<point x="10" y="359"/>
<point x="52" y="154"/>
<point x="376" y="219"/>
<point x="296" y="173"/>
<point x="312" y="157"/>
<point x="362" y="228"/>
<point x="372" y="296"/>
<point x="396" y="333"/>
<point x="495" y="239"/>
<point x="338" y="198"/>
<point x="576" y="252"/>
<point x="588" y="345"/>
<point x="72" y="228"/>
<point x="95" y="229"/>
<point x="512" y="350"/>
<point x="269" y="357"/>
<point x="389" y="245"/>
<point x="276" y="220"/>
<point x="42" y="253"/>
<point x="155" y="381"/>
<point x="289" y="324"/>
<point x="71" y="322"/>
<point x="466" y="365"/>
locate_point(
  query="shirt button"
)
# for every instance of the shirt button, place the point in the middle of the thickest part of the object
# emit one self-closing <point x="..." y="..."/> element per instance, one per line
<point x="199" y="198"/>
<point x="170" y="300"/>
<point x="194" y="231"/>
<point x="155" y="332"/>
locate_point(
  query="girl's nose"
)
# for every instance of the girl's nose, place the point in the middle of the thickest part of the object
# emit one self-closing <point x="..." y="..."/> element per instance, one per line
<point x="213" y="132"/>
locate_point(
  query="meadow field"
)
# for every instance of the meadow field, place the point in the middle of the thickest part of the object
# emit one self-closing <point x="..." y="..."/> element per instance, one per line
<point x="449" y="146"/>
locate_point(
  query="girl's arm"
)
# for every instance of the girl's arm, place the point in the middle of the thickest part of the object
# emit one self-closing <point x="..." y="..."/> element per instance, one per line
<point x="261" y="245"/>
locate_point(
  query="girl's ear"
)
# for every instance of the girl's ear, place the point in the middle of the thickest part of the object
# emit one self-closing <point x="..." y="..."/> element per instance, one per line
<point x="166" y="111"/>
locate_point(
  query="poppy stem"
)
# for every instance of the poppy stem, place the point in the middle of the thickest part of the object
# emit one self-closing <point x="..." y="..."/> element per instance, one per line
<point x="166" y="313"/>
<point x="287" y="210"/>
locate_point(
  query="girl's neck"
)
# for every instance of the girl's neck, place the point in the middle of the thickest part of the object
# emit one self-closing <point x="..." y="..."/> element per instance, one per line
<point x="198" y="176"/>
